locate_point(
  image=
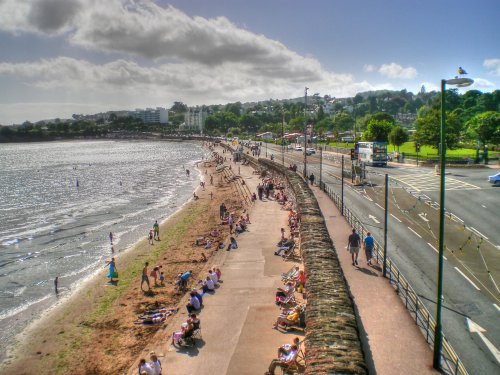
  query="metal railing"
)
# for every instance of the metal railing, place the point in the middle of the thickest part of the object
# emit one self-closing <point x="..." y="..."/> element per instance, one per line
<point x="450" y="362"/>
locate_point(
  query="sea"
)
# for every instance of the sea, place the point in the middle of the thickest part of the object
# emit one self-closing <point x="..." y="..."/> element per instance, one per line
<point x="60" y="200"/>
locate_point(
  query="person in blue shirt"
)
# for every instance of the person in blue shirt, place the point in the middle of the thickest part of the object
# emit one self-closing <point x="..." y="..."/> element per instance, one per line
<point x="369" y="243"/>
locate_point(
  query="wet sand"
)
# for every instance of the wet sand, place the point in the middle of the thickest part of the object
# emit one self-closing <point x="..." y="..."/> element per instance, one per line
<point x="93" y="332"/>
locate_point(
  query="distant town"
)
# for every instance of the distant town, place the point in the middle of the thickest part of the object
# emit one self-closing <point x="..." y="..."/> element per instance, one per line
<point x="395" y="117"/>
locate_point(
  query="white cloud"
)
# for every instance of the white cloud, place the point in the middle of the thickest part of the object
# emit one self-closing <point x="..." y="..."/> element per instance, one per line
<point x="161" y="55"/>
<point x="480" y="83"/>
<point x="394" y="70"/>
<point x="493" y="65"/>
<point x="368" y="68"/>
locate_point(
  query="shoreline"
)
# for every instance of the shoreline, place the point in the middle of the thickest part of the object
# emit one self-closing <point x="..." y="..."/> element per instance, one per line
<point x="78" y="319"/>
<point x="69" y="293"/>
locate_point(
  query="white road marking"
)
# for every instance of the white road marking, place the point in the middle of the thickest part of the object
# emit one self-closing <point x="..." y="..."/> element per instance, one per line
<point x="466" y="278"/>
<point x="415" y="232"/>
<point x="436" y="250"/>
<point x="376" y="204"/>
<point x="367" y="197"/>
<point x="478" y="232"/>
<point x="401" y="221"/>
<point x="374" y="219"/>
<point x="496" y="307"/>
<point x="476" y="328"/>
<point x="423" y="216"/>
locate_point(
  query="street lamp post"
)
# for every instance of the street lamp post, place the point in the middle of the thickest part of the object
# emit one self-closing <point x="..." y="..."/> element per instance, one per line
<point x="305" y="132"/>
<point x="438" y="333"/>
<point x="283" y="140"/>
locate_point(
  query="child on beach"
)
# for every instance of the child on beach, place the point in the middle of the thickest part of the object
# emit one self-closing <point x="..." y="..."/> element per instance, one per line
<point x="162" y="279"/>
<point x="151" y="237"/>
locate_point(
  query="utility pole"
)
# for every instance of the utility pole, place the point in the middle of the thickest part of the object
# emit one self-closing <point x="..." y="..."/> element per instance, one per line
<point x="283" y="140"/>
<point x="386" y="213"/>
<point x="305" y="132"/>
<point x="320" y="166"/>
<point x="342" y="211"/>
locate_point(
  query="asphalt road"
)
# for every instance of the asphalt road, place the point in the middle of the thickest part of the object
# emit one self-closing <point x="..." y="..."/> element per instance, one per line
<point x="469" y="290"/>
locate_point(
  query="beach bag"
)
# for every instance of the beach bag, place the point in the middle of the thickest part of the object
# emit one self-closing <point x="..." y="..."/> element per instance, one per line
<point x="115" y="275"/>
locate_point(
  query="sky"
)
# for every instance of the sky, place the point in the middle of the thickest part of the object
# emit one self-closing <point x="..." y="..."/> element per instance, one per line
<point x="64" y="57"/>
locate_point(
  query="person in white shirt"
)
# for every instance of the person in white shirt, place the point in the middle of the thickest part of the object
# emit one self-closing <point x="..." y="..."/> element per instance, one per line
<point x="155" y="363"/>
<point x="213" y="276"/>
<point x="193" y="304"/>
<point x="145" y="368"/>
<point x="208" y="285"/>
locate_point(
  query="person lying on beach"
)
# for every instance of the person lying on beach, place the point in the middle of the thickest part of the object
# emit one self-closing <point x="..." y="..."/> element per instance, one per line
<point x="214" y="233"/>
<point x="153" y="319"/>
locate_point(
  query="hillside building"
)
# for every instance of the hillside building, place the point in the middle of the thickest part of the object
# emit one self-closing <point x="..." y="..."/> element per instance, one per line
<point x="151" y="115"/>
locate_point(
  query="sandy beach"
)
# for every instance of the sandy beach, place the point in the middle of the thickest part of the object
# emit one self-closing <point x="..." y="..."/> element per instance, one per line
<point x="94" y="331"/>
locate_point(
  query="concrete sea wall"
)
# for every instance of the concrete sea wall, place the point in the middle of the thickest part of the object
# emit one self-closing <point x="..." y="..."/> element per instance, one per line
<point x="332" y="340"/>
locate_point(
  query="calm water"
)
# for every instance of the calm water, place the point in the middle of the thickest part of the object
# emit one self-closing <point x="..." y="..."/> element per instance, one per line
<point x="60" y="200"/>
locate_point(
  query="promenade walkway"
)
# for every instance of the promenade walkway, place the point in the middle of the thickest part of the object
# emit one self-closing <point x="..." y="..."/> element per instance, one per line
<point x="393" y="344"/>
<point x="237" y="319"/>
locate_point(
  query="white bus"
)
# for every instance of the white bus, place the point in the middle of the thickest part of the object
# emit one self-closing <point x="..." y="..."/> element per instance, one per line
<point x="372" y="153"/>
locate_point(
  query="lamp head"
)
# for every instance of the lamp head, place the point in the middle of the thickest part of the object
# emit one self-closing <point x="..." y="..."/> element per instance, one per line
<point x="460" y="82"/>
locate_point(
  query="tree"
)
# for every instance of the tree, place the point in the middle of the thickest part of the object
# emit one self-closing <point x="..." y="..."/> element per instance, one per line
<point x="485" y="127"/>
<point x="250" y="123"/>
<point x="321" y="114"/>
<point x="398" y="136"/>
<point x="179" y="107"/>
<point x="343" y="121"/>
<point x="234" y="108"/>
<point x="383" y="116"/>
<point x="429" y="129"/>
<point x="377" y="130"/>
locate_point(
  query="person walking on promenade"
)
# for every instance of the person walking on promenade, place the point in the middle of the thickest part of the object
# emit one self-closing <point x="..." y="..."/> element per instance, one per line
<point x="368" y="244"/>
<point x="353" y="244"/>
<point x="145" y="278"/>
<point x="311" y="179"/>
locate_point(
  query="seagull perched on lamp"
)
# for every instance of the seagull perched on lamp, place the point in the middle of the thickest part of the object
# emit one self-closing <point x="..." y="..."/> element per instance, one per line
<point x="461" y="71"/>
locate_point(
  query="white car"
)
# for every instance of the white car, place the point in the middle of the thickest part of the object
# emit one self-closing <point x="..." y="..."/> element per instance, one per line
<point x="310" y="151"/>
<point x="495" y="179"/>
<point x="298" y="148"/>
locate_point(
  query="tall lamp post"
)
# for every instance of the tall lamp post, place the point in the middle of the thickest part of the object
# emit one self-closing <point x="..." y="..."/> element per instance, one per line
<point x="305" y="132"/>
<point x="438" y="333"/>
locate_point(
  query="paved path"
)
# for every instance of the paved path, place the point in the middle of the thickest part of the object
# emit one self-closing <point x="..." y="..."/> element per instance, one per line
<point x="237" y="320"/>
<point x="393" y="342"/>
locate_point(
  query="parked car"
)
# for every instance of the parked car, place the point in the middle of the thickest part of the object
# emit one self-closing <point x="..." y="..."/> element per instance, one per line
<point x="495" y="179"/>
<point x="298" y="148"/>
<point x="310" y="151"/>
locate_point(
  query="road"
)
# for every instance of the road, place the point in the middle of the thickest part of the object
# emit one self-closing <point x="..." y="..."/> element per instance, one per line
<point x="472" y="265"/>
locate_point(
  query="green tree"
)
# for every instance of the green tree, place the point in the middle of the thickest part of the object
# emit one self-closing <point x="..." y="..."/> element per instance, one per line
<point x="378" y="130"/>
<point x="321" y="114"/>
<point x="429" y="129"/>
<point x="485" y="127"/>
<point x="343" y="121"/>
<point x="250" y="123"/>
<point x="398" y="136"/>
<point x="179" y="107"/>
<point x="221" y="121"/>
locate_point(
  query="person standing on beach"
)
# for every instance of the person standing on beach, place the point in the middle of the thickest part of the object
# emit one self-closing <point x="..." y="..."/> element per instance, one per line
<point x="353" y="244"/>
<point x="145" y="278"/>
<point x="187" y="172"/>
<point x="111" y="238"/>
<point x="156" y="229"/>
<point x="222" y="211"/>
<point x="112" y="269"/>
<point x="151" y="237"/>
<point x="56" y="282"/>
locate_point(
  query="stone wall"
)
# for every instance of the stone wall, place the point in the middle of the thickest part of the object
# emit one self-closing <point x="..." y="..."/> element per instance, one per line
<point x="332" y="340"/>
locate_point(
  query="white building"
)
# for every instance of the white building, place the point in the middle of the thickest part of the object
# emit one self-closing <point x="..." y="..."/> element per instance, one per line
<point x="194" y="120"/>
<point x="151" y="116"/>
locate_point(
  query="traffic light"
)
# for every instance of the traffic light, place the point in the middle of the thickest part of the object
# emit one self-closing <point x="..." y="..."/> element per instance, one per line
<point x="417" y="147"/>
<point x="353" y="154"/>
